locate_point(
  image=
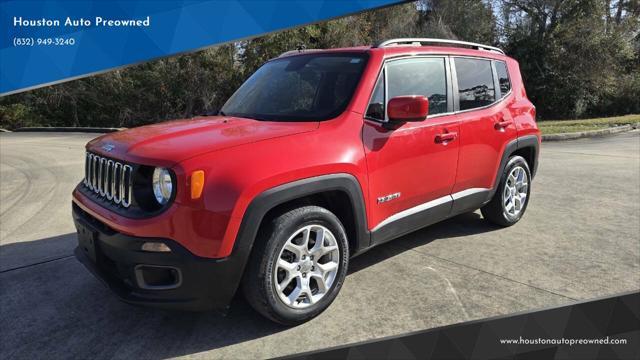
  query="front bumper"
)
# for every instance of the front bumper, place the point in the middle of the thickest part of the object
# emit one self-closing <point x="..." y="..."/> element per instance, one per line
<point x="179" y="279"/>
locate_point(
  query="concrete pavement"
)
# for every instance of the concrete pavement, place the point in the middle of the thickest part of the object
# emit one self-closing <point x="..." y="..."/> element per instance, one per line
<point x="579" y="239"/>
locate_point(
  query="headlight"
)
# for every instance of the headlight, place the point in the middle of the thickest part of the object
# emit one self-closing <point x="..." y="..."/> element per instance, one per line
<point x="162" y="185"/>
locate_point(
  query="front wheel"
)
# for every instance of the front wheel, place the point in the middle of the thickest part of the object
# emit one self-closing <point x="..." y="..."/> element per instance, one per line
<point x="512" y="196"/>
<point x="298" y="265"/>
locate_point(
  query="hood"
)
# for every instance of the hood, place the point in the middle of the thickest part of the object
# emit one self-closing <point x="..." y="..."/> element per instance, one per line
<point x="167" y="143"/>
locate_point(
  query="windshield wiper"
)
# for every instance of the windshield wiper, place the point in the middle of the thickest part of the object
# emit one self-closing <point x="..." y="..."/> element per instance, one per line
<point x="251" y="116"/>
<point x="246" y="116"/>
<point x="210" y="113"/>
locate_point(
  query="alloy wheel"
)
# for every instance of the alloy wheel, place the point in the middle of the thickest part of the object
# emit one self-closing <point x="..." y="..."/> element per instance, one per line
<point x="307" y="266"/>
<point x="516" y="187"/>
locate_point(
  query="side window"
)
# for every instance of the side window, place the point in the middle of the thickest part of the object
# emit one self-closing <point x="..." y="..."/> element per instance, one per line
<point x="475" y="83"/>
<point x="503" y="78"/>
<point x="420" y="76"/>
<point x="376" y="107"/>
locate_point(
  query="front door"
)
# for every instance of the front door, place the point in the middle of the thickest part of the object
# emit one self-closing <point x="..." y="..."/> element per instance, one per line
<point x="412" y="168"/>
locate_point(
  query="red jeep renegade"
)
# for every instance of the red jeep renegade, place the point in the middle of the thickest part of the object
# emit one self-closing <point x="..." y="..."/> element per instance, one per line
<point x="317" y="157"/>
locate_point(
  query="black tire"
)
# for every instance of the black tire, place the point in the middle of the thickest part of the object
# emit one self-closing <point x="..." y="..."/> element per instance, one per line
<point x="495" y="211"/>
<point x="259" y="285"/>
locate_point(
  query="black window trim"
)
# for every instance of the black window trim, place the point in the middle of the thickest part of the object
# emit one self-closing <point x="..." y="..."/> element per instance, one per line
<point x="383" y="72"/>
<point x="453" y="100"/>
<point x="456" y="97"/>
<point x="496" y="82"/>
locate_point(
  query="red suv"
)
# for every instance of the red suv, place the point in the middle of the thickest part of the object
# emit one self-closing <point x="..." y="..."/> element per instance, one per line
<point x="316" y="158"/>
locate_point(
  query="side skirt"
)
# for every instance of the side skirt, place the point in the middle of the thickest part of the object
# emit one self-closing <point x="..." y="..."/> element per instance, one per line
<point x="429" y="213"/>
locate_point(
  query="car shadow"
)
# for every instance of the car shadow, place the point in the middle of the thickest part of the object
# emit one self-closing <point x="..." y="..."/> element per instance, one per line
<point x="458" y="226"/>
<point x="56" y="306"/>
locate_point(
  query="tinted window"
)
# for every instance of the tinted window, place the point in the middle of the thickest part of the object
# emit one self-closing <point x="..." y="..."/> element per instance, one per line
<point x="475" y="83"/>
<point x="503" y="78"/>
<point x="375" y="110"/>
<point x="422" y="76"/>
<point x="298" y="88"/>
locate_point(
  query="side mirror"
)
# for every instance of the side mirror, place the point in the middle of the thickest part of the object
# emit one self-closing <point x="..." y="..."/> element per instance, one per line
<point x="408" y="108"/>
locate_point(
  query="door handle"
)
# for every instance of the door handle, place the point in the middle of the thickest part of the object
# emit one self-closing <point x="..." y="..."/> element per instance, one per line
<point x="446" y="137"/>
<point x="503" y="124"/>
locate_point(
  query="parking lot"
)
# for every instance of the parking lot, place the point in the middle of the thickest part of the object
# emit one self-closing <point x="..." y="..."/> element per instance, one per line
<point x="579" y="239"/>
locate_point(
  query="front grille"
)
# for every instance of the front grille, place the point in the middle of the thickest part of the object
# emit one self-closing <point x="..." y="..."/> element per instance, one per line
<point x="108" y="178"/>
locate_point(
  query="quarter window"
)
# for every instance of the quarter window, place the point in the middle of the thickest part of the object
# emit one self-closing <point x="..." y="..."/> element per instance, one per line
<point x="376" y="107"/>
<point x="475" y="83"/>
<point x="503" y="78"/>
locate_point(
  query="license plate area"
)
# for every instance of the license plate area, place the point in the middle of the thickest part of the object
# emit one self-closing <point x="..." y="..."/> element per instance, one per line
<point x="87" y="241"/>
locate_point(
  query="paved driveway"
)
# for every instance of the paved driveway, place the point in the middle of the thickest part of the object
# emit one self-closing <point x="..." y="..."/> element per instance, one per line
<point x="580" y="239"/>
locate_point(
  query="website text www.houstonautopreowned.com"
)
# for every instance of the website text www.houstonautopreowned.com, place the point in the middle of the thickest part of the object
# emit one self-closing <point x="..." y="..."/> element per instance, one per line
<point x="564" y="341"/>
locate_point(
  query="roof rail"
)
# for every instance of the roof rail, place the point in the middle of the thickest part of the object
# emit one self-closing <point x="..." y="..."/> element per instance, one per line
<point x="422" y="41"/>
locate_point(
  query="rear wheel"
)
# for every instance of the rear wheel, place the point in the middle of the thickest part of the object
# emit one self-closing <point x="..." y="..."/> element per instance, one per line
<point x="298" y="265"/>
<point x="512" y="196"/>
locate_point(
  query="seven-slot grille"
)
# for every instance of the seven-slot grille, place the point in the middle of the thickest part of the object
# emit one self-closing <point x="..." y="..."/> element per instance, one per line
<point x="108" y="178"/>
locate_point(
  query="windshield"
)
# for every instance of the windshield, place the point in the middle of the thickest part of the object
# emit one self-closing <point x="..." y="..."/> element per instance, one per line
<point x="310" y="87"/>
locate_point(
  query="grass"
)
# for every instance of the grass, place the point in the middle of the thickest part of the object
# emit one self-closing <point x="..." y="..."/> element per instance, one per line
<point x="569" y="126"/>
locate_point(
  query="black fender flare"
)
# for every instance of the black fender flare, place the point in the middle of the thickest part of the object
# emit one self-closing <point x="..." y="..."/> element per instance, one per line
<point x="269" y="199"/>
<point x="526" y="141"/>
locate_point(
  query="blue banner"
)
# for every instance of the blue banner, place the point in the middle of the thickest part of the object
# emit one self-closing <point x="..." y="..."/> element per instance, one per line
<point x="45" y="42"/>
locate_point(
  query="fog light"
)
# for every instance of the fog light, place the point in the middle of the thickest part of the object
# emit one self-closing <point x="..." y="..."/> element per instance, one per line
<point x="155" y="247"/>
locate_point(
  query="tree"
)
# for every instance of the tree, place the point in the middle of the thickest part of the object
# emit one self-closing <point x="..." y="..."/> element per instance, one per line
<point x="578" y="58"/>
<point x="573" y="58"/>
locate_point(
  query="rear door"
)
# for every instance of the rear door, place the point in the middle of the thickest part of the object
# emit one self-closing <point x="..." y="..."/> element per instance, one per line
<point x="486" y="126"/>
<point x="411" y="172"/>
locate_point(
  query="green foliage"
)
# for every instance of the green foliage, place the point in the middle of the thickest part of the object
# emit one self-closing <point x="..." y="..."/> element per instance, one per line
<point x="568" y="126"/>
<point x="468" y="20"/>
<point x="578" y="58"/>
<point x="17" y="115"/>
